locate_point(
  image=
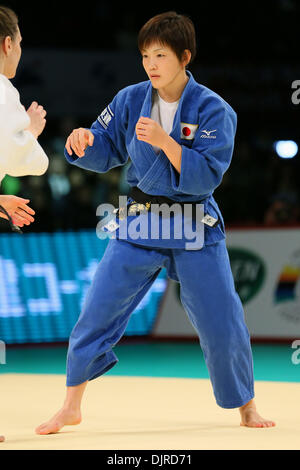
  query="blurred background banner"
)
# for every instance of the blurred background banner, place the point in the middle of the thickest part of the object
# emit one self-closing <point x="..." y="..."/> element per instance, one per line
<point x="266" y="270"/>
<point x="44" y="279"/>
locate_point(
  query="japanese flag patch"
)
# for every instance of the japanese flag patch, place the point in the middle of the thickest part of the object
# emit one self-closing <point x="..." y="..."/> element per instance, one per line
<point x="188" y="131"/>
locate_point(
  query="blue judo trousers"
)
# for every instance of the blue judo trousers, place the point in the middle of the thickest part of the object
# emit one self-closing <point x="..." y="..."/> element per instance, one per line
<point x="125" y="274"/>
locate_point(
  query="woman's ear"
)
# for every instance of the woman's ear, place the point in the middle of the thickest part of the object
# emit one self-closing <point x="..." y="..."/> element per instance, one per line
<point x="7" y="46"/>
<point x="186" y="57"/>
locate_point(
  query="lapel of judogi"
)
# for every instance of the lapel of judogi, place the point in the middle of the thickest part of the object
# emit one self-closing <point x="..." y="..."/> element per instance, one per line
<point x="184" y="99"/>
<point x="176" y="130"/>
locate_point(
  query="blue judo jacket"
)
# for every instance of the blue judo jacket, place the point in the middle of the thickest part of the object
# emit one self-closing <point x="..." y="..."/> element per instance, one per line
<point x="205" y="127"/>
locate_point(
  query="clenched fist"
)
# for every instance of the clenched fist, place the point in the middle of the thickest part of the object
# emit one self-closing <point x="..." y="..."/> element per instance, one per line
<point x="151" y="132"/>
<point x="79" y="140"/>
<point x="37" y="116"/>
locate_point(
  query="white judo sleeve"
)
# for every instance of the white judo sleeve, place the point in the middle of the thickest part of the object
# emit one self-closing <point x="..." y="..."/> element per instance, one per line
<point x="20" y="152"/>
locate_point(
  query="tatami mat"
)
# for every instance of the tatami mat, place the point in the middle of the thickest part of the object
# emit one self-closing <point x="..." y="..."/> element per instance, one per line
<point x="144" y="413"/>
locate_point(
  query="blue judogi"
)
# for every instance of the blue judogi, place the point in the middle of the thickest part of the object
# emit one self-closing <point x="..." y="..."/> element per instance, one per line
<point x="129" y="267"/>
<point x="204" y="159"/>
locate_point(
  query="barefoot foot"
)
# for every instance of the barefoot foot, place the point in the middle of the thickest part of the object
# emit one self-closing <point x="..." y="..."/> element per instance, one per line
<point x="252" y="419"/>
<point x="62" y="418"/>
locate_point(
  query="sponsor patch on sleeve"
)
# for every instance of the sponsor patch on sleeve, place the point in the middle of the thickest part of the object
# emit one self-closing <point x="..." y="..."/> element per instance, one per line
<point x="105" y="117"/>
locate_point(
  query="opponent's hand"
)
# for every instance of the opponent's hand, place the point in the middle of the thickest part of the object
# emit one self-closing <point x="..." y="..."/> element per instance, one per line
<point x="151" y="132"/>
<point x="37" y="115"/>
<point x="78" y="141"/>
<point x="18" y="210"/>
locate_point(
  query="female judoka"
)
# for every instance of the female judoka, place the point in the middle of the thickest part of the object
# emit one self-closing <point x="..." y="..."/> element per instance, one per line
<point x="20" y="152"/>
<point x="179" y="136"/>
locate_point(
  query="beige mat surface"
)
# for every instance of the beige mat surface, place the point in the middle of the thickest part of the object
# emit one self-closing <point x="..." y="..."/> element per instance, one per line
<point x="144" y="413"/>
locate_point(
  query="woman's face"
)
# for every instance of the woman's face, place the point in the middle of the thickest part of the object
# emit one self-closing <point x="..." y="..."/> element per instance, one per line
<point x="13" y="54"/>
<point x="161" y="65"/>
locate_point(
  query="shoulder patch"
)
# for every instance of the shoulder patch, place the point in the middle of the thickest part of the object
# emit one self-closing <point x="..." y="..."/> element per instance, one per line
<point x="105" y="117"/>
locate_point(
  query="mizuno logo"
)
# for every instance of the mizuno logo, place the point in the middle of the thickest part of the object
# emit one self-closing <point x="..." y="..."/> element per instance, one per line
<point x="207" y="133"/>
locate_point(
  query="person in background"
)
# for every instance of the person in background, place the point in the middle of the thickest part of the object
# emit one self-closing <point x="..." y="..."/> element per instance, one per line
<point x="20" y="152"/>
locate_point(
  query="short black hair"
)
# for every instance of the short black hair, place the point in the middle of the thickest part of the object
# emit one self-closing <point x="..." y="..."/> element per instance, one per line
<point x="171" y="29"/>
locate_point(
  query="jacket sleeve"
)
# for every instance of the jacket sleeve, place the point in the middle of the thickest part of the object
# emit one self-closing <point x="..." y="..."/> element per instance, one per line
<point x="20" y="152"/>
<point x="204" y="164"/>
<point x="108" y="149"/>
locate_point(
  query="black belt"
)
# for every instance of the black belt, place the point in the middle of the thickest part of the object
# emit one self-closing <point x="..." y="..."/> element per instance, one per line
<point x="143" y="198"/>
<point x="146" y="200"/>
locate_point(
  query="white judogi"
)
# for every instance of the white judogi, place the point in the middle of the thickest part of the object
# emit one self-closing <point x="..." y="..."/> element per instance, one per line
<point x="20" y="152"/>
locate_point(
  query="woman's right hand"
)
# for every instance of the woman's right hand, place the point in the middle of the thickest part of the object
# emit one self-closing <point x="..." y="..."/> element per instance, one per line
<point x="18" y="209"/>
<point x="37" y="115"/>
<point x="79" y="140"/>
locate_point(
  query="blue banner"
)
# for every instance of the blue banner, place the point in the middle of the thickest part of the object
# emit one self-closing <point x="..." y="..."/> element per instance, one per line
<point x="44" y="278"/>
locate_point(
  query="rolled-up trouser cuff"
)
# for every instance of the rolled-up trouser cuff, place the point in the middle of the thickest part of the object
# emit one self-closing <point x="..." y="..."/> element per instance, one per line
<point x="237" y="404"/>
<point x="98" y="367"/>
